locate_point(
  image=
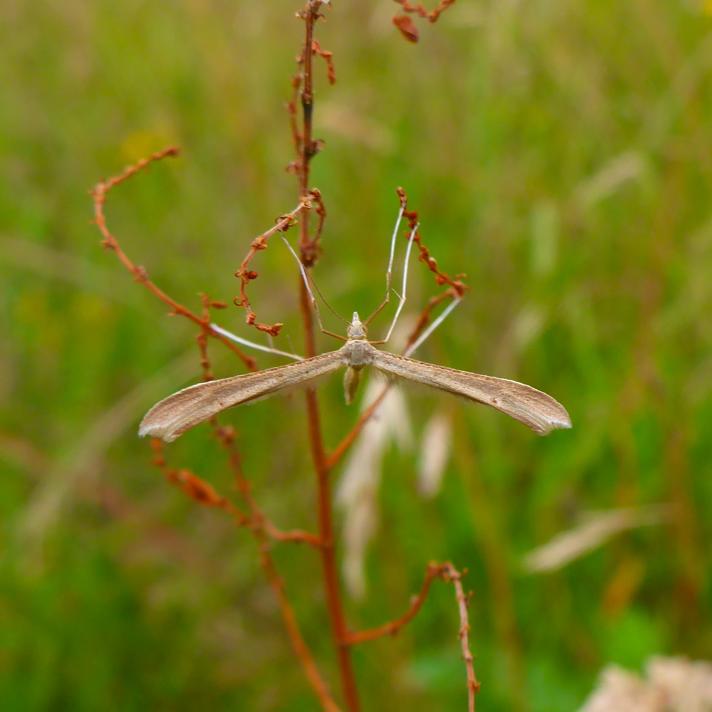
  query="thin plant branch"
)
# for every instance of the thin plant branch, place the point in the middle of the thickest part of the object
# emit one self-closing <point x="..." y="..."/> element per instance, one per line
<point x="199" y="490"/>
<point x="253" y="344"/>
<point x="309" y="250"/>
<point x="432" y="572"/>
<point x="203" y="493"/>
<point x="247" y="275"/>
<point x="99" y="194"/>
<point x="448" y="573"/>
<point x="421" y="11"/>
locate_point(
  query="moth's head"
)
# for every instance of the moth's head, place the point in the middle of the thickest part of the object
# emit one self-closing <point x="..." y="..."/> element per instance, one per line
<point x="356" y="329"/>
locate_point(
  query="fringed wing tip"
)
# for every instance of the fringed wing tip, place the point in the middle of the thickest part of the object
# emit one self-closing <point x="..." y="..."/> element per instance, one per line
<point x="154" y="430"/>
<point x="560" y="421"/>
<point x="158" y="424"/>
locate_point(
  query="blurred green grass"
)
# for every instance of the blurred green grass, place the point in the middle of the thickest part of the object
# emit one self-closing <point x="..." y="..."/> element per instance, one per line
<point x="560" y="154"/>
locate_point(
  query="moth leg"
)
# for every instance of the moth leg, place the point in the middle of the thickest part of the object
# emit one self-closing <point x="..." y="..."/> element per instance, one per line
<point x="252" y="344"/>
<point x="402" y="295"/>
<point x="389" y="271"/>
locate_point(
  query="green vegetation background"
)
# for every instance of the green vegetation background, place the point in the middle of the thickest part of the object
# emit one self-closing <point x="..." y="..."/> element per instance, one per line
<point x="559" y="153"/>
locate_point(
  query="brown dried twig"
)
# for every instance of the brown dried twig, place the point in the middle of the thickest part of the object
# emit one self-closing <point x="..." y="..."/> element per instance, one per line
<point x="261" y="531"/>
<point x="421" y="11"/>
<point x="306" y="148"/>
<point x="261" y="528"/>
<point x="473" y="686"/>
<point x="99" y="194"/>
<point x="405" y="24"/>
<point x="328" y="57"/>
<point x="206" y="495"/>
<point x="298" y="135"/>
<point x="191" y="484"/>
<point x="247" y="275"/>
<point x="448" y="573"/>
<point x="424" y="256"/>
<point x="225" y="435"/>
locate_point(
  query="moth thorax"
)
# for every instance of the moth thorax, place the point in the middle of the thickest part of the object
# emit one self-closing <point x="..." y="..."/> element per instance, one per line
<point x="358" y="353"/>
<point x="356" y="329"/>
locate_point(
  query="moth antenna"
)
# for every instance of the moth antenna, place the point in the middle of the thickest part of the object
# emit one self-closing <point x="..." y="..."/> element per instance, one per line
<point x="252" y="344"/>
<point x="312" y="298"/>
<point x="326" y="303"/>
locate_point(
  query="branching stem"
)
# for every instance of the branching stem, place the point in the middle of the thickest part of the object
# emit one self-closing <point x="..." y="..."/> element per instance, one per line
<point x="308" y="249"/>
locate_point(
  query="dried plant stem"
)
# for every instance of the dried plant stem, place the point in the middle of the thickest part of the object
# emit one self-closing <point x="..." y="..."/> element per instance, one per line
<point x="246" y="275"/>
<point x="448" y="573"/>
<point x="332" y="587"/>
<point x="349" y="439"/>
<point x="257" y="523"/>
<point x="473" y="686"/>
<point x="260" y="531"/>
<point x="392" y="627"/>
<point x="301" y="649"/>
<point x="99" y="194"/>
<point x="308" y="249"/>
<point x="199" y="490"/>
<point x="421" y="11"/>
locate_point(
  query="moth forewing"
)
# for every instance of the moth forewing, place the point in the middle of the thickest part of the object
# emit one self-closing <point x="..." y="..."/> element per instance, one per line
<point x="534" y="408"/>
<point x="172" y="416"/>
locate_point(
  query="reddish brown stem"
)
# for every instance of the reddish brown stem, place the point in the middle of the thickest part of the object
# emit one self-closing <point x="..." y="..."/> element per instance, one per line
<point x="260" y="528"/>
<point x="296" y="535"/>
<point x="448" y="573"/>
<point x="309" y="252"/>
<point x="246" y="275"/>
<point x="422" y="11"/>
<point x="298" y="644"/>
<point x="205" y="494"/>
<point x="194" y="486"/>
<point x="473" y="686"/>
<point x="110" y="242"/>
<point x="332" y="588"/>
<point x="348" y="440"/>
<point x="416" y="603"/>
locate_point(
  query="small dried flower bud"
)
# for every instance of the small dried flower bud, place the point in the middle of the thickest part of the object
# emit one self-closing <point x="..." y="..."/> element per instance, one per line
<point x="407" y="28"/>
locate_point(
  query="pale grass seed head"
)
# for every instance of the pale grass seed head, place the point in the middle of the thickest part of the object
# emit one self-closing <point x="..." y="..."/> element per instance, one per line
<point x="357" y="494"/>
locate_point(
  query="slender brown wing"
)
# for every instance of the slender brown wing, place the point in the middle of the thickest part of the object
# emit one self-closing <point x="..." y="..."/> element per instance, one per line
<point x="174" y="415"/>
<point x="535" y="409"/>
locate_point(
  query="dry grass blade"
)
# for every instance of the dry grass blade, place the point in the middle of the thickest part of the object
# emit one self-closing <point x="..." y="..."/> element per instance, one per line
<point x="174" y="415"/>
<point x="594" y="531"/>
<point x="535" y="409"/>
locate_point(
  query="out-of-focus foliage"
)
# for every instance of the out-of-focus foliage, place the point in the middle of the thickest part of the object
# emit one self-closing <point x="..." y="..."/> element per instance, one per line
<point x="559" y="153"/>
